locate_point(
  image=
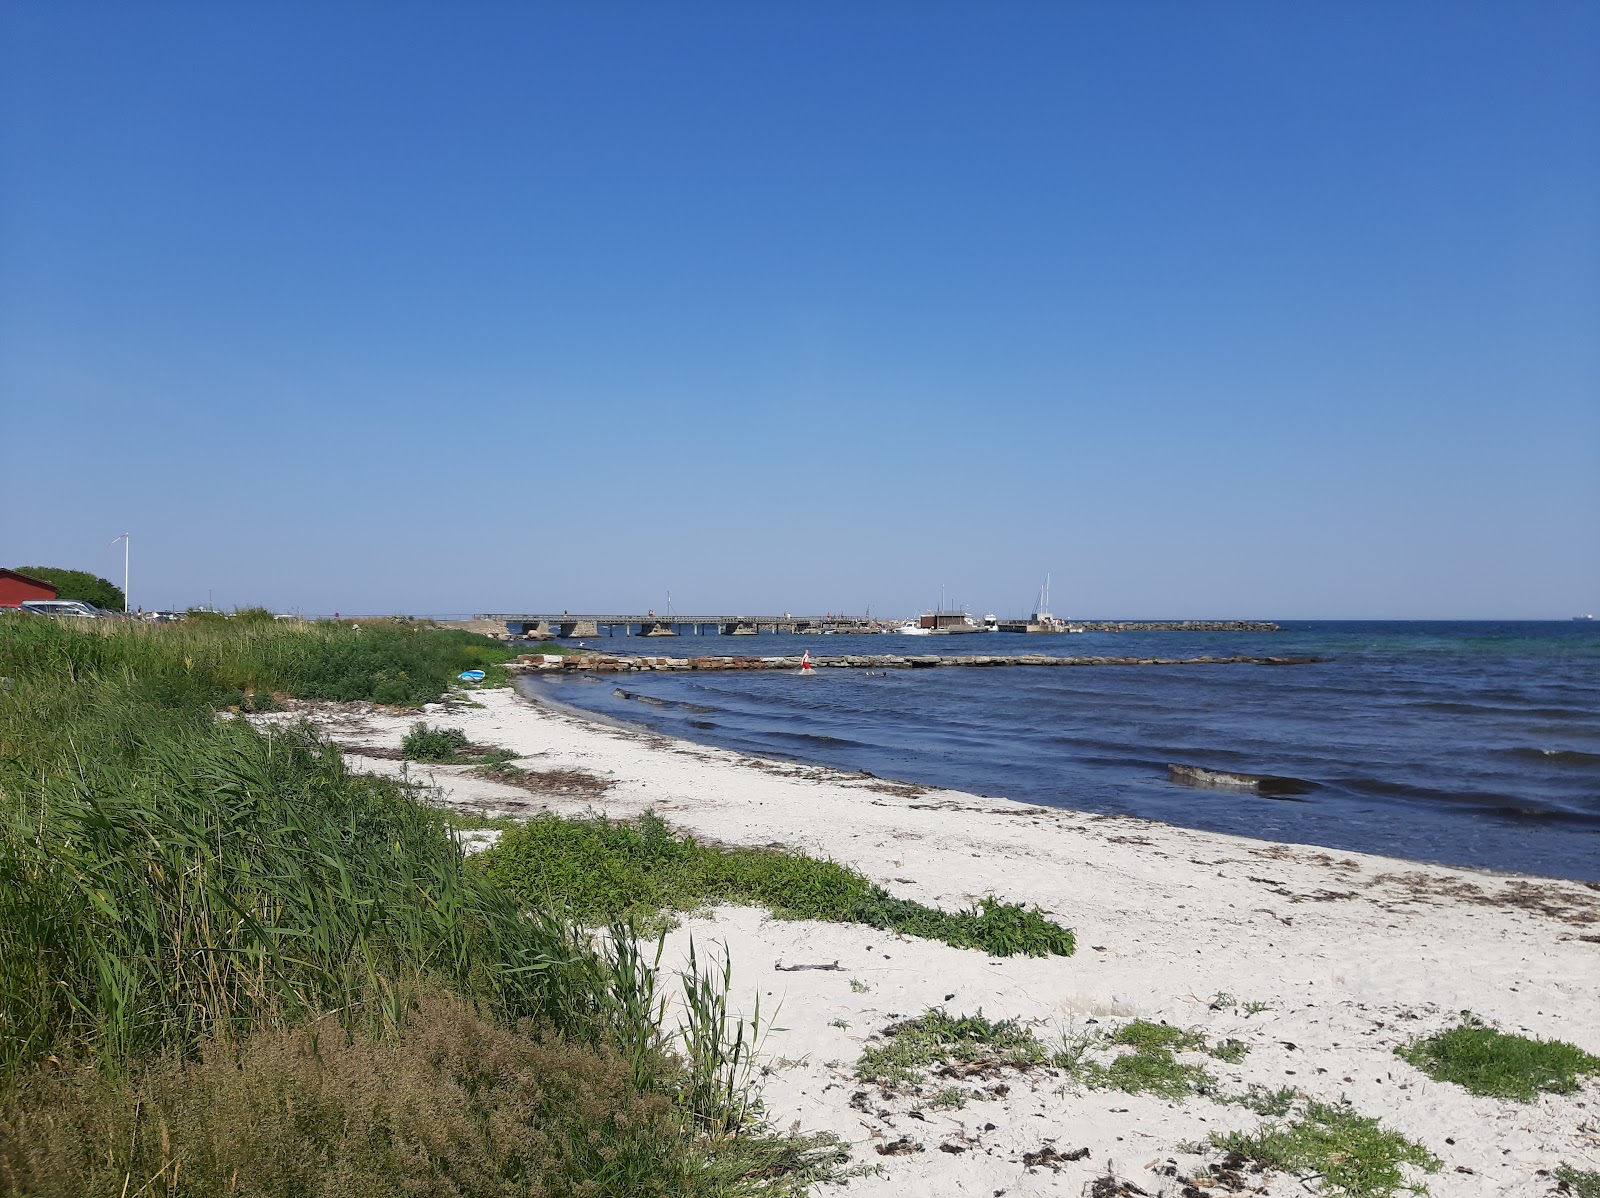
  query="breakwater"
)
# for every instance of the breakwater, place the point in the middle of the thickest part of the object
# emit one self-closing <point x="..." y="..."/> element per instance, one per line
<point x="614" y="663"/>
<point x="1176" y="625"/>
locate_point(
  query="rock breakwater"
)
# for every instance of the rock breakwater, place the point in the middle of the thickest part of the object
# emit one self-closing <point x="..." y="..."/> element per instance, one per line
<point x="614" y="663"/>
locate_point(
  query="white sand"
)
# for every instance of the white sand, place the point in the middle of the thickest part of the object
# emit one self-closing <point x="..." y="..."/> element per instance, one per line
<point x="1353" y="954"/>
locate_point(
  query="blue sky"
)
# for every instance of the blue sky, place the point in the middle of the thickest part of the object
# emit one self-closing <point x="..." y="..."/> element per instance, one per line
<point x="1211" y="310"/>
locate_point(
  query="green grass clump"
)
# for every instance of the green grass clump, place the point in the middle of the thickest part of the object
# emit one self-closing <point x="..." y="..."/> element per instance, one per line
<point x="971" y="1043"/>
<point x="1263" y="1101"/>
<point x="1498" y="1064"/>
<point x="423" y="743"/>
<point x="602" y="870"/>
<point x="1152" y="1067"/>
<point x="1353" y="1155"/>
<point x="1585" y="1183"/>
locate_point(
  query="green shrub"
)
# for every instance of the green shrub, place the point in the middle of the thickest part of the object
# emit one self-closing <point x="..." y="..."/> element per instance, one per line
<point x="423" y="743"/>
<point x="603" y="870"/>
<point x="1498" y="1064"/>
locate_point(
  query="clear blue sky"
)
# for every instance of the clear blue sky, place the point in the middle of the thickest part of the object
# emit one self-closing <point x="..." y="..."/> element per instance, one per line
<point x="1223" y="309"/>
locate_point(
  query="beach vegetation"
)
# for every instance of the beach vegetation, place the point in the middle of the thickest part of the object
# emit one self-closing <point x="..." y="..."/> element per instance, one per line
<point x="964" y="1045"/>
<point x="1496" y="1064"/>
<point x="1263" y="1101"/>
<point x="1138" y="1058"/>
<point x="1143" y="1059"/>
<point x="395" y="662"/>
<point x="424" y="743"/>
<point x="1352" y="1156"/>
<point x="602" y="869"/>
<point x="951" y="1098"/>
<point x="449" y="1103"/>
<point x="1585" y="1183"/>
<point x="1151" y="1067"/>
<point x="78" y="584"/>
<point x="227" y="959"/>
<point x="551" y="647"/>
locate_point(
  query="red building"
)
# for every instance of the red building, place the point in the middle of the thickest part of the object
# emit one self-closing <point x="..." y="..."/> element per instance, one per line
<point x="14" y="588"/>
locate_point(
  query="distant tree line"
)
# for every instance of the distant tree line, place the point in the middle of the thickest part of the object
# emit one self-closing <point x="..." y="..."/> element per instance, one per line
<point x="77" y="584"/>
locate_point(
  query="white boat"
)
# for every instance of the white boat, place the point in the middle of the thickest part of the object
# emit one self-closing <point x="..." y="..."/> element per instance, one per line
<point x="913" y="628"/>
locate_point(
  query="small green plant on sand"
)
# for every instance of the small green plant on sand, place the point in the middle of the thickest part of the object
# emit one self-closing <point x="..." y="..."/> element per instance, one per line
<point x="600" y="869"/>
<point x="1498" y="1064"/>
<point x="951" y="1098"/>
<point x="1585" y="1183"/>
<point x="423" y="743"/>
<point x="1353" y="1155"/>
<point x="1152" y="1067"/>
<point x="1263" y="1101"/>
<point x="968" y="1044"/>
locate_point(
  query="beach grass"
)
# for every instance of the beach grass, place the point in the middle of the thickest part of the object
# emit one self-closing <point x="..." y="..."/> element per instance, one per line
<point x="1496" y="1064"/>
<point x="1352" y="1155"/>
<point x="973" y="1044"/>
<point x="195" y="906"/>
<point x="604" y="869"/>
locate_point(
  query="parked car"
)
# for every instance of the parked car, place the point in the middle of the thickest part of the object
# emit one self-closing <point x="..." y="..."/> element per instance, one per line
<point x="62" y="607"/>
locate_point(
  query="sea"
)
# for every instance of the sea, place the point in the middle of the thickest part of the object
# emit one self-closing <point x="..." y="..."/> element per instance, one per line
<point x="1466" y="743"/>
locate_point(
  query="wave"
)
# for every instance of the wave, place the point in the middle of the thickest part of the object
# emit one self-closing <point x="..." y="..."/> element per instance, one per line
<point x="813" y="738"/>
<point x="1273" y="786"/>
<point x="655" y="701"/>
<point x="1576" y="757"/>
<point x="1516" y="709"/>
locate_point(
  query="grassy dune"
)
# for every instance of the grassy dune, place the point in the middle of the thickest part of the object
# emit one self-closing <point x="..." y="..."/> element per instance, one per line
<point x="207" y="925"/>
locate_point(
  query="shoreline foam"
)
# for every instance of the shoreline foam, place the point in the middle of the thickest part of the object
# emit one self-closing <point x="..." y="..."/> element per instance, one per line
<point x="1352" y="954"/>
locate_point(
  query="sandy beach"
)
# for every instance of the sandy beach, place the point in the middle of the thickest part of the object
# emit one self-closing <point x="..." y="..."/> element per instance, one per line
<point x="1321" y="962"/>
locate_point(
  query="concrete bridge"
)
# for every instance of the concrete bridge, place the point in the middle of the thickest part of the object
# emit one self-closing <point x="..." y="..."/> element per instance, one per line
<point x="574" y="624"/>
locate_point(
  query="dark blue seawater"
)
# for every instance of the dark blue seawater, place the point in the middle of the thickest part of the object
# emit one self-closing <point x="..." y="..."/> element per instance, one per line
<point x="1467" y="743"/>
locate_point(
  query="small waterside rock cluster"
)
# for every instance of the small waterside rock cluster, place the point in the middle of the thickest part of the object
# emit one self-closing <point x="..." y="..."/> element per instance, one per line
<point x="617" y="663"/>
